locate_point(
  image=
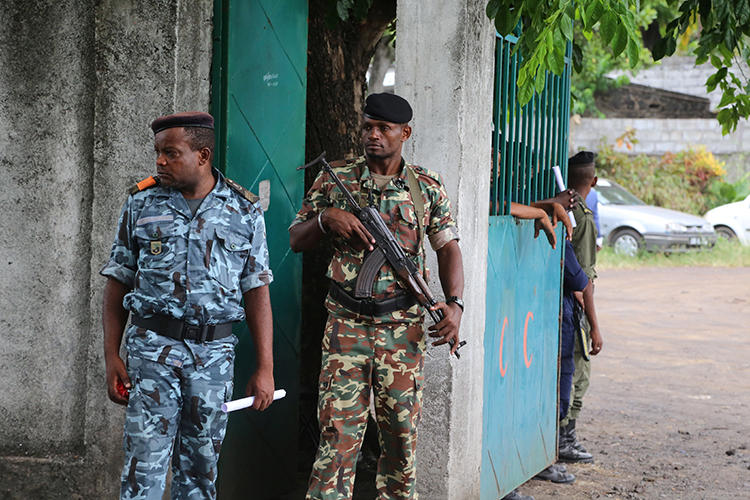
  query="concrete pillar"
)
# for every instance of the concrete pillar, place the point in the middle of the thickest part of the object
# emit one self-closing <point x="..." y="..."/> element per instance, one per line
<point x="81" y="82"/>
<point x="444" y="68"/>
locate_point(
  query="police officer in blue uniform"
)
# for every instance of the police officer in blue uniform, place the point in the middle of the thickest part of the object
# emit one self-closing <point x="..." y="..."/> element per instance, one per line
<point x="190" y="245"/>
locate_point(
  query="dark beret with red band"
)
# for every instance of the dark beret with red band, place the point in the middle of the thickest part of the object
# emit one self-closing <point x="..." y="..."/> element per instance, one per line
<point x="388" y="108"/>
<point x="184" y="119"/>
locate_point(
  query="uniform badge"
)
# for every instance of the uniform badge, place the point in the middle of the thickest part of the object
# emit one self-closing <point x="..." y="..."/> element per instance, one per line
<point x="155" y="247"/>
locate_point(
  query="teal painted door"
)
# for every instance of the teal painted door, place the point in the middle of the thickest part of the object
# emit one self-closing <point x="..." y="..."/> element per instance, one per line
<point x="258" y="97"/>
<point x="521" y="356"/>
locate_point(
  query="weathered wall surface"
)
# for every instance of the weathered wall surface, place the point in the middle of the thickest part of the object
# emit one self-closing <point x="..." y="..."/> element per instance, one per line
<point x="658" y="136"/>
<point x="678" y="74"/>
<point x="81" y="82"/>
<point x="46" y="110"/>
<point x="444" y="68"/>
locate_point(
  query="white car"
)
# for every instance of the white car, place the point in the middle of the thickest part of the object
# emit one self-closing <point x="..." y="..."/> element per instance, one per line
<point x="629" y="225"/>
<point x="732" y="220"/>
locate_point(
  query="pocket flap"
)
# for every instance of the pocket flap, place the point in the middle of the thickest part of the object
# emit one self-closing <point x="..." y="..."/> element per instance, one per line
<point x="231" y="241"/>
<point x="154" y="230"/>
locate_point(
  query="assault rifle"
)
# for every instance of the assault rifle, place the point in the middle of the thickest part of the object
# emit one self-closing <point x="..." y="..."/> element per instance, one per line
<point x="386" y="249"/>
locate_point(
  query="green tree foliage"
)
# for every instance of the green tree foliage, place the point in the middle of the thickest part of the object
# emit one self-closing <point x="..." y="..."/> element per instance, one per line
<point x="608" y="29"/>
<point x="724" y="39"/>
<point x="546" y="27"/>
<point x="598" y="58"/>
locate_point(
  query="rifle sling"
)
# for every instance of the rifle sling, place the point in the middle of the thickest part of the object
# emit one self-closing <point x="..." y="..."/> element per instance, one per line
<point x="418" y="200"/>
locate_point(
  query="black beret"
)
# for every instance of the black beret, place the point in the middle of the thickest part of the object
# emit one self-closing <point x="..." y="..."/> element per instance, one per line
<point x="388" y="108"/>
<point x="184" y="119"/>
<point x="582" y="158"/>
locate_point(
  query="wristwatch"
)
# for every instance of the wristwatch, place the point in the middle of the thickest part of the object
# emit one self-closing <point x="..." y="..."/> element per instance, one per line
<point x="455" y="300"/>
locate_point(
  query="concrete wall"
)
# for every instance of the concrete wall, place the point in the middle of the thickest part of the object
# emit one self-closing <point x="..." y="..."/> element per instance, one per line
<point x="81" y="82"/>
<point x="658" y="136"/>
<point x="444" y="67"/>
<point x="678" y="74"/>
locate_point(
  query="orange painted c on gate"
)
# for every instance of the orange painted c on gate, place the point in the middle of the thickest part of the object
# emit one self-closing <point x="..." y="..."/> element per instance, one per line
<point x="503" y="369"/>
<point x="527" y="359"/>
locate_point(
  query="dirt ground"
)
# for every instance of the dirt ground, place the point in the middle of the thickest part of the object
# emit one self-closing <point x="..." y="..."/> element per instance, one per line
<point x="668" y="411"/>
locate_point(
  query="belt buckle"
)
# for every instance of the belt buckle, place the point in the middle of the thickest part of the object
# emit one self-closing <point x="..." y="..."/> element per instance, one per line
<point x="191" y="332"/>
<point x="204" y="333"/>
<point x="367" y="306"/>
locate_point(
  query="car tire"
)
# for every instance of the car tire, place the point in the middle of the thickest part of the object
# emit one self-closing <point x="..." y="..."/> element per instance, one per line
<point x="627" y="242"/>
<point x="725" y="232"/>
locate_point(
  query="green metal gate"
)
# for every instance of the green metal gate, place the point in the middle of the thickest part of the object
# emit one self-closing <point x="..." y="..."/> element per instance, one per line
<point x="258" y="98"/>
<point x="527" y="141"/>
<point x="523" y="281"/>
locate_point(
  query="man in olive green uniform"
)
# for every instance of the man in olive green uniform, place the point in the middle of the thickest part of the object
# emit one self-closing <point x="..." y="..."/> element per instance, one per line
<point x="581" y="177"/>
<point x="375" y="340"/>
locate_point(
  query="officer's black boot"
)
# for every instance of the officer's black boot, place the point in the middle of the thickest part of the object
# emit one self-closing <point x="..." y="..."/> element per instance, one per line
<point x="574" y="437"/>
<point x="566" y="450"/>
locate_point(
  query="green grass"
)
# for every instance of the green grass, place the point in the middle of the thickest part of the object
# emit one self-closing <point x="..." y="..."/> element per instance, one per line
<point x="724" y="254"/>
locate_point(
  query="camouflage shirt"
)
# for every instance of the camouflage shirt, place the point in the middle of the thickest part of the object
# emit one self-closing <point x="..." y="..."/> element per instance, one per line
<point x="584" y="238"/>
<point x="395" y="205"/>
<point x="194" y="268"/>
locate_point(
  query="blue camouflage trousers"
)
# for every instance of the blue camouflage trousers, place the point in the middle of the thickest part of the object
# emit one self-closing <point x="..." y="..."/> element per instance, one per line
<point x="174" y="412"/>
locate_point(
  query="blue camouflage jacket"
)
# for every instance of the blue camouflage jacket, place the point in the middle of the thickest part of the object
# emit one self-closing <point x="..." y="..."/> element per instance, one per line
<point x="190" y="268"/>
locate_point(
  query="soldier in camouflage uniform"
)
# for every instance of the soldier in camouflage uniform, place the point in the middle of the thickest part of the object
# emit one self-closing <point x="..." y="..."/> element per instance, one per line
<point x="188" y="248"/>
<point x="377" y="343"/>
<point x="581" y="177"/>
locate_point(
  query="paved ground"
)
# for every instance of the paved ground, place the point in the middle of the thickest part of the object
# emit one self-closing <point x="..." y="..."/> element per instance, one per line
<point x="668" y="411"/>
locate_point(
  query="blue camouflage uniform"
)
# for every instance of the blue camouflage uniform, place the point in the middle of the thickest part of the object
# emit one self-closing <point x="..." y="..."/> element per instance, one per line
<point x="192" y="268"/>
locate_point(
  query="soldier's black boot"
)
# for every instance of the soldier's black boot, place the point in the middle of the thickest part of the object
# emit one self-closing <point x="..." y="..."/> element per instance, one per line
<point x="566" y="451"/>
<point x="517" y="495"/>
<point x="574" y="437"/>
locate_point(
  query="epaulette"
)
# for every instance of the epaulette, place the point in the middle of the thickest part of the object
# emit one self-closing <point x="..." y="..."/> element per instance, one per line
<point x="249" y="196"/>
<point x="426" y="172"/>
<point x="146" y="183"/>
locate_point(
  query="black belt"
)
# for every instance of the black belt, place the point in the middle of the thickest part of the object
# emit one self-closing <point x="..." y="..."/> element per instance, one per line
<point x="371" y="307"/>
<point x="181" y="330"/>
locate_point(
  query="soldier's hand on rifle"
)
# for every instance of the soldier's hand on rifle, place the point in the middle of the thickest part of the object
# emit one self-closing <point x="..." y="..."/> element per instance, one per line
<point x="448" y="328"/>
<point x="348" y="226"/>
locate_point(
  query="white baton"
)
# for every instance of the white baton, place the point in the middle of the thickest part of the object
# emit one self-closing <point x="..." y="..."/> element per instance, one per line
<point x="239" y="404"/>
<point x="561" y="187"/>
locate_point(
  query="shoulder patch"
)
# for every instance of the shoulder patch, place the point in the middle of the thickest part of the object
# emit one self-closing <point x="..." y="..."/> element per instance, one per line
<point x="249" y="196"/>
<point x="146" y="183"/>
<point x="421" y="171"/>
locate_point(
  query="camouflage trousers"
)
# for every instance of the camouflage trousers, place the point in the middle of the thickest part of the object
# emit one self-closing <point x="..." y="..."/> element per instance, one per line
<point x="581" y="377"/>
<point x="174" y="412"/>
<point x="358" y="357"/>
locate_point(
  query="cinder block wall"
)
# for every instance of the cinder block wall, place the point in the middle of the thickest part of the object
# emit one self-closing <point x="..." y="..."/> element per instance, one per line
<point x="658" y="136"/>
<point x="81" y="81"/>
